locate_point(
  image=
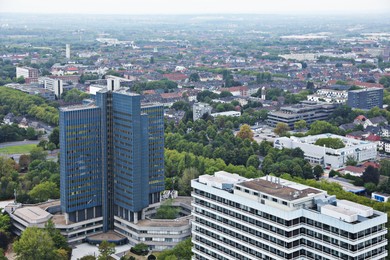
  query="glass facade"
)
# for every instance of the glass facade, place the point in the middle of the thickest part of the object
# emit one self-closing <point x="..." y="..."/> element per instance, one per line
<point x="127" y="144"/>
<point x="80" y="163"/>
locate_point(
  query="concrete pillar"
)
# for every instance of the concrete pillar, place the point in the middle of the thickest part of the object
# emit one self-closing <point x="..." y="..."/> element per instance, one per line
<point x="135" y="217"/>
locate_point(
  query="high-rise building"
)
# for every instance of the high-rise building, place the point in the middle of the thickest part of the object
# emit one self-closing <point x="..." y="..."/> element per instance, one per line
<point x="365" y="98"/>
<point x="272" y="218"/>
<point x="67" y="51"/>
<point x="112" y="158"/>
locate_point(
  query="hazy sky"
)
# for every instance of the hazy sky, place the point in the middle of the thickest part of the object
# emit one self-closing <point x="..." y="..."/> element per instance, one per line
<point x="196" y="6"/>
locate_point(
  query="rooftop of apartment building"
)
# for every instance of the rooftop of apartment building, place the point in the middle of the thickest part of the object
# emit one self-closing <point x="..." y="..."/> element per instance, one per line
<point x="280" y="189"/>
<point x="287" y="195"/>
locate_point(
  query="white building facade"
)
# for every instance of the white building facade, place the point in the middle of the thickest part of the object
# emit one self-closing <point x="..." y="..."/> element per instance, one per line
<point x="200" y="109"/>
<point x="328" y="157"/>
<point x="238" y="218"/>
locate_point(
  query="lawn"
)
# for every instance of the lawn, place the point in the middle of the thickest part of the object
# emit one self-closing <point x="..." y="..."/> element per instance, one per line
<point x="17" y="149"/>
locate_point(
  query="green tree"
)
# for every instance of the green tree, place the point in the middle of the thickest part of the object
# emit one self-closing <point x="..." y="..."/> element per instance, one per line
<point x="105" y="250"/>
<point x="181" y="251"/>
<point x="297" y="152"/>
<point x="54" y="137"/>
<point x="58" y="239"/>
<point x="74" y="96"/>
<point x="370" y="187"/>
<point x="245" y="132"/>
<point x="318" y="171"/>
<point x="31" y="134"/>
<point x="371" y="174"/>
<point x="51" y="146"/>
<point x="140" y="249"/>
<point x="224" y="94"/>
<point x="253" y="160"/>
<point x="2" y="255"/>
<point x="385" y="168"/>
<point x="43" y="143"/>
<point x="34" y="243"/>
<point x="185" y="181"/>
<point x="194" y="77"/>
<point x="61" y="254"/>
<point x="37" y="153"/>
<point x="44" y="191"/>
<point x="167" y="211"/>
<point x="321" y="127"/>
<point x="281" y="129"/>
<point x="264" y="147"/>
<point x="88" y="257"/>
<point x="332" y="173"/>
<point x="334" y="143"/>
<point x="21" y="80"/>
<point x="300" y="125"/>
<point x="5" y="224"/>
<point x="24" y="161"/>
<point x="351" y="160"/>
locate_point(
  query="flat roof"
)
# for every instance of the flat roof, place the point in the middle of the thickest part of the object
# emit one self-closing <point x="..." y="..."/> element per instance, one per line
<point x="109" y="235"/>
<point x="32" y="214"/>
<point x="340" y="210"/>
<point x="78" y="107"/>
<point x="283" y="190"/>
<point x="126" y="91"/>
<point x="165" y="223"/>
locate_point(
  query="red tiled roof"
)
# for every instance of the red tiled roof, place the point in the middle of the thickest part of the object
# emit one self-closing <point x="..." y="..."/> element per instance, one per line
<point x="373" y="164"/>
<point x="373" y="138"/>
<point x="171" y="95"/>
<point x="149" y="92"/>
<point x="361" y="118"/>
<point x="175" y="76"/>
<point x="354" y="169"/>
<point x="365" y="84"/>
<point x="233" y="89"/>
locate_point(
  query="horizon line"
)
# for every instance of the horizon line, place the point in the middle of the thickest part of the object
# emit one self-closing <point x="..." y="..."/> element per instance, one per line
<point x="336" y="13"/>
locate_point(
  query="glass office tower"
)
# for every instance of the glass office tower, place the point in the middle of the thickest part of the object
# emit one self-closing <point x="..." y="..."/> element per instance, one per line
<point x="124" y="142"/>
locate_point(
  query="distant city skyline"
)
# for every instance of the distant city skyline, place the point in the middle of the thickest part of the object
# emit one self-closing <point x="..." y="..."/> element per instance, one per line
<point x="343" y="7"/>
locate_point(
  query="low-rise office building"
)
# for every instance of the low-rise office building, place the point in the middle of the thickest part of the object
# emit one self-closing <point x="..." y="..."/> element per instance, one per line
<point x="158" y="234"/>
<point x="329" y="157"/>
<point x="272" y="218"/>
<point x="307" y="110"/>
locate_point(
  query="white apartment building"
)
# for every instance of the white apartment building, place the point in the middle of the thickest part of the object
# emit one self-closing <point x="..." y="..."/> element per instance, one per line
<point x="329" y="96"/>
<point x="272" y="218"/>
<point x="55" y="85"/>
<point x="227" y="113"/>
<point x="328" y="157"/>
<point x="200" y="109"/>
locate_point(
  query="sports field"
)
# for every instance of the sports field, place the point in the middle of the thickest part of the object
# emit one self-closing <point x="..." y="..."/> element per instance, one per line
<point x="17" y="149"/>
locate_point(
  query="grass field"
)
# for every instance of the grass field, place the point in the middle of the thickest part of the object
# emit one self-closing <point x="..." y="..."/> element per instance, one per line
<point x="18" y="149"/>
